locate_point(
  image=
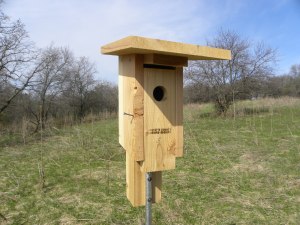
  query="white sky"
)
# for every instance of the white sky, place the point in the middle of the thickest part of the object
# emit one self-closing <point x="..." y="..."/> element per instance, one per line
<point x="84" y="26"/>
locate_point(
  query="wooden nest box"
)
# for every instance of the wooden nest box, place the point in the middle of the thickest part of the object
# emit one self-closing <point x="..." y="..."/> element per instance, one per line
<point x="151" y="106"/>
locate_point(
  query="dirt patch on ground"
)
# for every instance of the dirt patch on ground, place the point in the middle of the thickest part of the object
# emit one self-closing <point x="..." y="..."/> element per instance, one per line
<point x="89" y="174"/>
<point x="67" y="219"/>
<point x="249" y="162"/>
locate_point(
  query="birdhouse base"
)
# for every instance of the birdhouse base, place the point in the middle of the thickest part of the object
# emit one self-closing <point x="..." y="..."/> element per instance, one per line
<point x="136" y="183"/>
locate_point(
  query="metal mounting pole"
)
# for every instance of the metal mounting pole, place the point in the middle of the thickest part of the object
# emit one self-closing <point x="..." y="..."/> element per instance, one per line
<point x="148" y="198"/>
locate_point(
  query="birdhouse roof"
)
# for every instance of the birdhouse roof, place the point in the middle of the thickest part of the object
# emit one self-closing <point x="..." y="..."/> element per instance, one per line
<point x="142" y="45"/>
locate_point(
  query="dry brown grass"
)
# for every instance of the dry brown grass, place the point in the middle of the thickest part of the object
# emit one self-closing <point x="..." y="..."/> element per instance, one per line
<point x="262" y="105"/>
<point x="249" y="162"/>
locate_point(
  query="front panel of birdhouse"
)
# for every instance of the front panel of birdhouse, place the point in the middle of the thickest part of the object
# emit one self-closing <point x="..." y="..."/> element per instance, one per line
<point x="160" y="118"/>
<point x="150" y="112"/>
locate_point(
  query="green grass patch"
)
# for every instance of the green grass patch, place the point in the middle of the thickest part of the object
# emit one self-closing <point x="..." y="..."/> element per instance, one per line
<point x="236" y="170"/>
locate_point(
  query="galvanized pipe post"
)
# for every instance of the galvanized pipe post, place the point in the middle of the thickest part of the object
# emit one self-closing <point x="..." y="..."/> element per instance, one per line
<point x="148" y="198"/>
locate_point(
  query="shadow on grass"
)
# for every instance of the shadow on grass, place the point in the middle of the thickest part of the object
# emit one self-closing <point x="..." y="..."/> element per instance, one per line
<point x="255" y="111"/>
<point x="207" y="115"/>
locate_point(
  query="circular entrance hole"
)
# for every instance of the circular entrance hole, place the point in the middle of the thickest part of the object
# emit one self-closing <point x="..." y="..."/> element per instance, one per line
<point x="159" y="93"/>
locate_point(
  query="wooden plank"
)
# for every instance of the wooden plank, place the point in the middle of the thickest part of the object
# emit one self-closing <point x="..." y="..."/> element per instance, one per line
<point x="131" y="107"/>
<point x="138" y="109"/>
<point x="179" y="112"/>
<point x="166" y="60"/>
<point x="156" y="186"/>
<point x="135" y="183"/>
<point x="159" y="121"/>
<point x="127" y="80"/>
<point x="142" y="45"/>
<point x="121" y="109"/>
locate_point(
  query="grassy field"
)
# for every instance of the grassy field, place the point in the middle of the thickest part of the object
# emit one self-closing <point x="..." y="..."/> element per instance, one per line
<point x="242" y="169"/>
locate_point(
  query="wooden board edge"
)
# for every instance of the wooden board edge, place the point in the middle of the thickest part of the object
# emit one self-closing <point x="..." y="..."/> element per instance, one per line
<point x="179" y="112"/>
<point x="142" y="45"/>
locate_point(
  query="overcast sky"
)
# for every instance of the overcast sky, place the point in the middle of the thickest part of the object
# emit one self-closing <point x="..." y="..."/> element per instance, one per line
<point x="85" y="25"/>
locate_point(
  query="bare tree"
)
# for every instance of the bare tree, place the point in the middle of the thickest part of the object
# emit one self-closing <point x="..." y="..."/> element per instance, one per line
<point x="295" y="70"/>
<point x="49" y="83"/>
<point x="232" y="78"/>
<point x="45" y="83"/>
<point x="16" y="60"/>
<point x="80" y="82"/>
<point x="104" y="97"/>
<point x="287" y="84"/>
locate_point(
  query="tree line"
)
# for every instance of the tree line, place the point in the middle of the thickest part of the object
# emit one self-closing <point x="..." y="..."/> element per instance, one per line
<point x="249" y="74"/>
<point x="42" y="84"/>
<point x="52" y="83"/>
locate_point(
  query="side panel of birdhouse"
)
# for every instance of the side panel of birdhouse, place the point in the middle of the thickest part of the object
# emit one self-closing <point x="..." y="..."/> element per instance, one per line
<point x="126" y="81"/>
<point x="131" y="107"/>
<point x="179" y="112"/>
